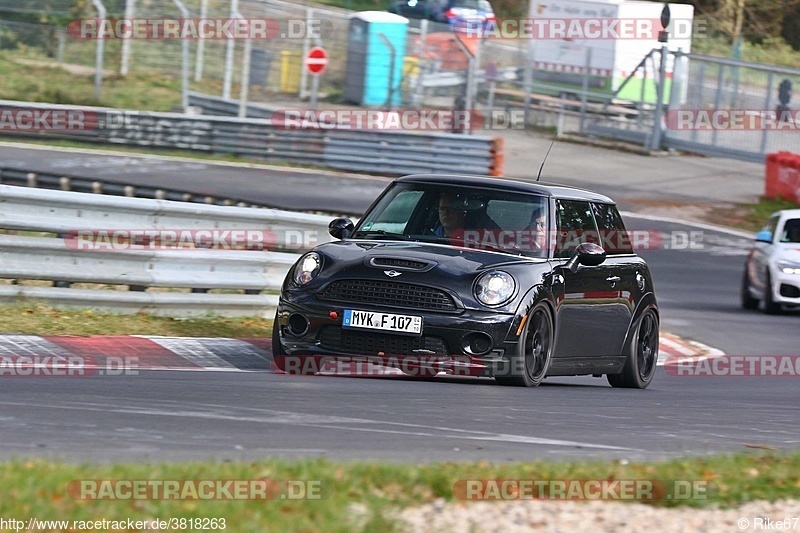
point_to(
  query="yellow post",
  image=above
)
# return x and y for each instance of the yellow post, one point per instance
(291, 63)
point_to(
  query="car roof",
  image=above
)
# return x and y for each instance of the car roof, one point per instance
(541, 188)
(787, 213)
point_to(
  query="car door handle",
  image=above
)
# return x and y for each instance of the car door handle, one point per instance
(612, 279)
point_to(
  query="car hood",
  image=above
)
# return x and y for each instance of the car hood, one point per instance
(787, 251)
(440, 255)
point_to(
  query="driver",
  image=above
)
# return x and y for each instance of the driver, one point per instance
(452, 215)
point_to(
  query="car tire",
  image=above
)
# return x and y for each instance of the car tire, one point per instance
(770, 307)
(534, 350)
(748, 302)
(642, 356)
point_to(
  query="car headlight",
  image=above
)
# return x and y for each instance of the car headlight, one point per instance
(789, 267)
(495, 288)
(307, 268)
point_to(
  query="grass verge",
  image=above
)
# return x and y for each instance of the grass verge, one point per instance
(38, 488)
(40, 319)
(52, 84)
(749, 216)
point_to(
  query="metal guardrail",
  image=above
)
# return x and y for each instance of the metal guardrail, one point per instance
(64, 261)
(29, 209)
(384, 152)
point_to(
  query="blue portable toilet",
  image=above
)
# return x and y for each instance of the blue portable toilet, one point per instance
(376, 48)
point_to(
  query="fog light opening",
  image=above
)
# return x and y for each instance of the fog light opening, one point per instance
(298, 324)
(477, 343)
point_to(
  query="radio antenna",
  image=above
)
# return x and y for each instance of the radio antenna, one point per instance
(545, 157)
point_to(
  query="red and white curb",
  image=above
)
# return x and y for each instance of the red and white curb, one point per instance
(201, 353)
(673, 347)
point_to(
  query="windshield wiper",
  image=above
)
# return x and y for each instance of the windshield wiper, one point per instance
(383, 233)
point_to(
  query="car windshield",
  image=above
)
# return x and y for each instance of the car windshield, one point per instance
(472, 217)
(791, 231)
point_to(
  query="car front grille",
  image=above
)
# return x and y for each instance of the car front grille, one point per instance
(336, 339)
(389, 293)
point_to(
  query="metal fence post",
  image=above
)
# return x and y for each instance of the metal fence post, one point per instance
(184, 60)
(228, 79)
(201, 46)
(584, 93)
(125, 62)
(306, 48)
(62, 42)
(718, 100)
(416, 97)
(658, 128)
(767, 106)
(98, 63)
(245, 90)
(527, 82)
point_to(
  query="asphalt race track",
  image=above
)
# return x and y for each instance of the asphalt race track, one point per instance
(323, 191)
(181, 415)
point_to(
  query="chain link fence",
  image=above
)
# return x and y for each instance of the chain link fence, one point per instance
(582, 87)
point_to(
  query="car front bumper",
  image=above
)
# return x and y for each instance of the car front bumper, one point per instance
(446, 342)
(786, 288)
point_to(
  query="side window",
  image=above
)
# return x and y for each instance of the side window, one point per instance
(575, 226)
(613, 236)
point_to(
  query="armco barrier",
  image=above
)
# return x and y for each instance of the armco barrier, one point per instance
(783, 176)
(385, 152)
(60, 260)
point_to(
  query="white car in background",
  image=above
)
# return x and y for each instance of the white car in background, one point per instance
(772, 271)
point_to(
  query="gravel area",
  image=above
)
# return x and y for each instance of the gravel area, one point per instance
(557, 516)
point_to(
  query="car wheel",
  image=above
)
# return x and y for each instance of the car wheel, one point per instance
(640, 364)
(770, 307)
(748, 302)
(534, 350)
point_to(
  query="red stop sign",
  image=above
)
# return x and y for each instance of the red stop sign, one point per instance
(316, 60)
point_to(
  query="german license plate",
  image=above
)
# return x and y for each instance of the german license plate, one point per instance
(382, 321)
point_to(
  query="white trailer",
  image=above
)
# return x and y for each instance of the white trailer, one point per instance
(611, 37)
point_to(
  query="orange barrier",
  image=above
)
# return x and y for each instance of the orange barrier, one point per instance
(783, 176)
(498, 158)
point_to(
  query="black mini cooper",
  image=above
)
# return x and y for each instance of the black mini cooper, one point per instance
(483, 276)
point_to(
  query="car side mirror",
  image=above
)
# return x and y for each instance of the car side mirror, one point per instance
(341, 228)
(587, 254)
(764, 236)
